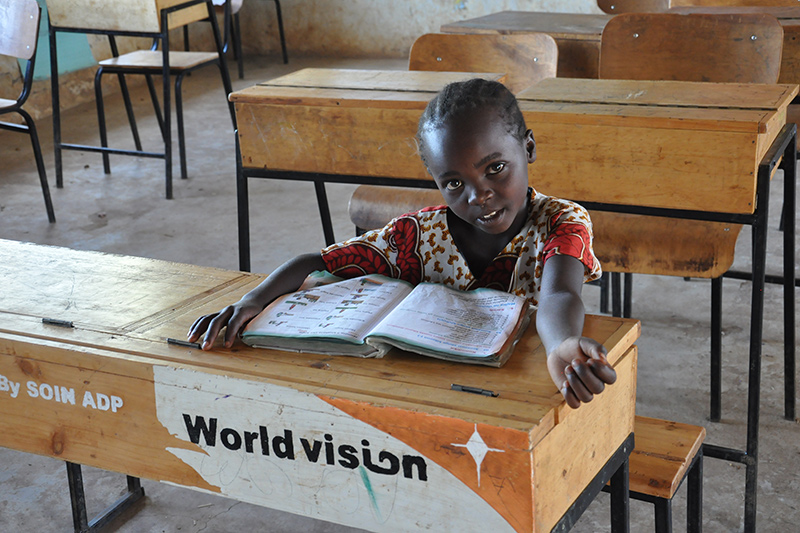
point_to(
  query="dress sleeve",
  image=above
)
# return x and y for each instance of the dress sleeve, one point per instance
(570, 233)
(391, 251)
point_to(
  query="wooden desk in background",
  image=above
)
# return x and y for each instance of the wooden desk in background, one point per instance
(577, 35)
(664, 148)
(380, 444)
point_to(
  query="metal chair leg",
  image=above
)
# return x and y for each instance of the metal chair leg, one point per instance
(181, 134)
(694, 495)
(280, 31)
(101, 117)
(716, 350)
(236, 32)
(37, 154)
(663, 515)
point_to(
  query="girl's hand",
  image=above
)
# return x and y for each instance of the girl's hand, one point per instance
(579, 368)
(233, 318)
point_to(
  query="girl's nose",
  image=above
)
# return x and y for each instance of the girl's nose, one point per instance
(479, 195)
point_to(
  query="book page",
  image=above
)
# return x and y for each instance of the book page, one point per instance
(466, 323)
(345, 310)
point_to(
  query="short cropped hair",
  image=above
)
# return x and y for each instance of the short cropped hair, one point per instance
(462, 97)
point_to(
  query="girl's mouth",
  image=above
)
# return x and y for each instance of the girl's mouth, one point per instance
(489, 217)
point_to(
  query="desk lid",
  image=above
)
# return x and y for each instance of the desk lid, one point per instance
(576, 26)
(319, 85)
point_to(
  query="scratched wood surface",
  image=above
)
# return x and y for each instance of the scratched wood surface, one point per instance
(121, 15)
(127, 389)
(577, 35)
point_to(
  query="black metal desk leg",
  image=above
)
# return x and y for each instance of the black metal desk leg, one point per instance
(324, 212)
(80, 520)
(243, 211)
(620, 501)
(56, 103)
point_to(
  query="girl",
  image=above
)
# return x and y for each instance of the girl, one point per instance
(494, 232)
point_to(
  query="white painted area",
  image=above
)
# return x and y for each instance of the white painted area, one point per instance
(319, 490)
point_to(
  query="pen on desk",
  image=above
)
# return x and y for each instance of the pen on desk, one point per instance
(187, 344)
(58, 322)
(473, 390)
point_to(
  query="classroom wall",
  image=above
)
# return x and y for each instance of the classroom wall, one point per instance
(341, 28)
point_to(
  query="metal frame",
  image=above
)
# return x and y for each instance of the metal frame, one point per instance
(80, 520)
(782, 150)
(163, 38)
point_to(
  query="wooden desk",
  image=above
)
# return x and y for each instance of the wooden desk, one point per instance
(321, 125)
(577, 35)
(380, 444)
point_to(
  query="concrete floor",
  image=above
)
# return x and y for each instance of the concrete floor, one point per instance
(125, 212)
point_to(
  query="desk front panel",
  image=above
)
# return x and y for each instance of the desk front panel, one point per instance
(381, 444)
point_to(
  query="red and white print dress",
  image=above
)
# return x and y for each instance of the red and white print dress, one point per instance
(418, 247)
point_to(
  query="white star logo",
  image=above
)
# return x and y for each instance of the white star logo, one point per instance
(477, 449)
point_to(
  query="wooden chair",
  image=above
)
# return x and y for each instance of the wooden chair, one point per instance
(525, 58)
(19, 32)
(703, 48)
(615, 7)
(664, 454)
(232, 30)
(136, 18)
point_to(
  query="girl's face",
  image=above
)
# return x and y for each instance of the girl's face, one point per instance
(482, 170)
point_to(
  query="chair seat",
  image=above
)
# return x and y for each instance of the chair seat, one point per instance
(152, 59)
(662, 455)
(669, 247)
(7, 103)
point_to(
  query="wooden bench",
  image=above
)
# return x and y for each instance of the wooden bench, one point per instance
(664, 455)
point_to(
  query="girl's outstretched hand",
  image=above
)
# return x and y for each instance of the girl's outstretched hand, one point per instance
(580, 369)
(233, 318)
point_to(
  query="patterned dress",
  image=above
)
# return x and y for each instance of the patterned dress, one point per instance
(418, 247)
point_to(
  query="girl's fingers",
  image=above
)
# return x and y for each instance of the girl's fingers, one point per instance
(603, 371)
(581, 392)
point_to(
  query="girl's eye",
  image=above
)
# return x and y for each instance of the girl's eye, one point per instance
(452, 185)
(496, 168)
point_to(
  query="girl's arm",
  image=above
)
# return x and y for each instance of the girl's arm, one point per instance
(287, 278)
(577, 364)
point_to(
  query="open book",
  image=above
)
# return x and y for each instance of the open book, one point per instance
(367, 316)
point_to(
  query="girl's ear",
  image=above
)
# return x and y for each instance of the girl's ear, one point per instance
(530, 146)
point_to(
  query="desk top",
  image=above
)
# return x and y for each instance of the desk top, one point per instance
(325, 86)
(256, 424)
(674, 104)
(574, 26)
(779, 12)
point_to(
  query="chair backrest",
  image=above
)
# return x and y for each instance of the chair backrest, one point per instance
(19, 28)
(127, 15)
(525, 58)
(741, 48)
(615, 7)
